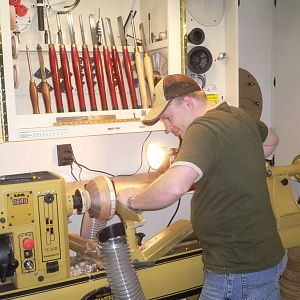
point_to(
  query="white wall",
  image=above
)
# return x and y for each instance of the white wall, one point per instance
(286, 63)
(255, 45)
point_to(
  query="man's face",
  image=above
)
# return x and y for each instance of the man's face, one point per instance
(176, 117)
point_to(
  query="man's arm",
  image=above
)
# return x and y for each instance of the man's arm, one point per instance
(163, 192)
(270, 143)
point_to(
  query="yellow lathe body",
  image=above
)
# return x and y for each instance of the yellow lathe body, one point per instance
(34, 212)
(35, 260)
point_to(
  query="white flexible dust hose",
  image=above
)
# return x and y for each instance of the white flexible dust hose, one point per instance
(116, 257)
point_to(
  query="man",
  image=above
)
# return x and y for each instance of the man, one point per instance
(222, 153)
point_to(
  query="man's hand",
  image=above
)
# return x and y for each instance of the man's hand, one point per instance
(123, 195)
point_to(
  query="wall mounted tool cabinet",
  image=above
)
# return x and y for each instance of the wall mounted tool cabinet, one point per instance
(166, 24)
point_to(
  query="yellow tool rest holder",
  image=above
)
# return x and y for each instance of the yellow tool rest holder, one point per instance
(285, 205)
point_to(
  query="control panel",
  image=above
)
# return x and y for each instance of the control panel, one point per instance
(33, 223)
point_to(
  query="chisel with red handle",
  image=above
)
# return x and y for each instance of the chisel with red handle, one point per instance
(87, 68)
(45, 86)
(64, 61)
(98, 64)
(76, 64)
(117, 65)
(54, 72)
(109, 71)
(127, 65)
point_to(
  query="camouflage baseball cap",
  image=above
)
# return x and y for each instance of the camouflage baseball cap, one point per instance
(168, 88)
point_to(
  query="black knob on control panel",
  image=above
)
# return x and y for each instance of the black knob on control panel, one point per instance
(284, 181)
(13, 264)
(49, 198)
(28, 264)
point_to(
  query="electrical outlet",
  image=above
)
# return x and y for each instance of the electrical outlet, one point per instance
(65, 155)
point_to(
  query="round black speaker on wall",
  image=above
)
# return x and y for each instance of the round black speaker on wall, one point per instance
(196, 36)
(199, 59)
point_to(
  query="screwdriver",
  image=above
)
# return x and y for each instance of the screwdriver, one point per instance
(54, 72)
(45, 86)
(32, 87)
(87, 68)
(76, 64)
(64, 61)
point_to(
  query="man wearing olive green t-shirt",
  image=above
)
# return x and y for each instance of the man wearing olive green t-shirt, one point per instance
(222, 154)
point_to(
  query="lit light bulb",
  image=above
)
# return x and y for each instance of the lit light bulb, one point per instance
(155, 155)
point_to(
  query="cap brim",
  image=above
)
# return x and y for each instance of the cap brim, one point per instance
(154, 114)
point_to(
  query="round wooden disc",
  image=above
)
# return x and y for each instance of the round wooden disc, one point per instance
(250, 97)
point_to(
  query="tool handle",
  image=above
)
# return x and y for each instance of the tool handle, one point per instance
(119, 75)
(78, 79)
(34, 97)
(141, 78)
(67, 77)
(46, 96)
(110, 77)
(100, 76)
(55, 78)
(129, 75)
(40, 14)
(89, 77)
(149, 74)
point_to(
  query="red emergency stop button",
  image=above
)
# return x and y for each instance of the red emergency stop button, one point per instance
(28, 244)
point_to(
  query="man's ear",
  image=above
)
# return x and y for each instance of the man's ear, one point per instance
(189, 102)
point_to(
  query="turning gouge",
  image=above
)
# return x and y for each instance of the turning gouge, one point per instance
(127, 64)
(76, 64)
(117, 65)
(87, 68)
(109, 70)
(54, 72)
(45, 86)
(98, 61)
(140, 70)
(147, 63)
(32, 87)
(64, 61)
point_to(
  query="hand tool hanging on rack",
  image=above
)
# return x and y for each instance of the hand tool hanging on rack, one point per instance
(45, 86)
(127, 64)
(98, 63)
(139, 70)
(117, 65)
(54, 72)
(109, 70)
(131, 14)
(76, 64)
(32, 87)
(147, 63)
(40, 14)
(87, 68)
(64, 61)
(99, 32)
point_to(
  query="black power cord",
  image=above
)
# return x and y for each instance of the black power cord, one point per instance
(176, 210)
(81, 166)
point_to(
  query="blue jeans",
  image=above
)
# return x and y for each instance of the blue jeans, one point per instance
(262, 285)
